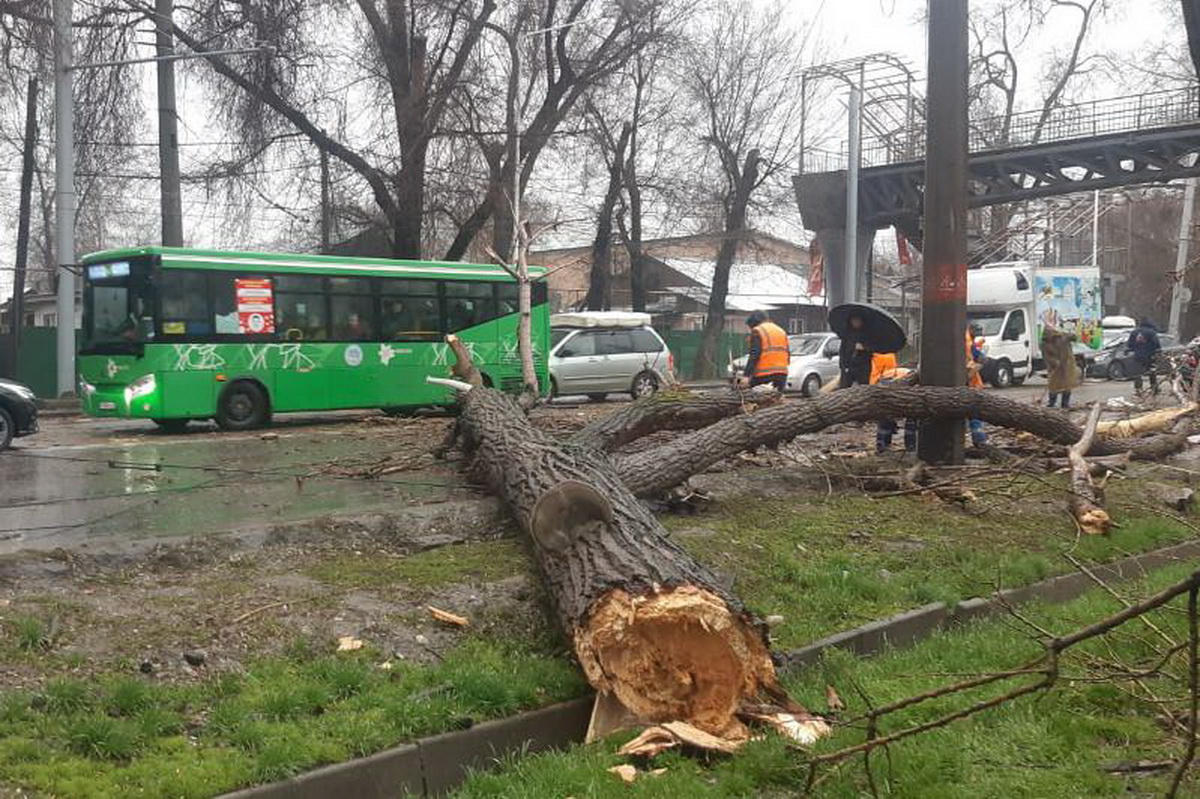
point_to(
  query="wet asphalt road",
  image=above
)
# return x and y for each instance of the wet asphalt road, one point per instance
(94, 485)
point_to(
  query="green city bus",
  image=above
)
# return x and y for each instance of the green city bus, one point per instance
(173, 334)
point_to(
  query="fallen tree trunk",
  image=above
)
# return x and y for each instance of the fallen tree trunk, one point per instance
(649, 625)
(1087, 499)
(653, 471)
(672, 409)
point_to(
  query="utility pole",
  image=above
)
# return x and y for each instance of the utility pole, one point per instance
(168, 126)
(64, 196)
(854, 149)
(1180, 293)
(326, 210)
(23, 214)
(944, 287)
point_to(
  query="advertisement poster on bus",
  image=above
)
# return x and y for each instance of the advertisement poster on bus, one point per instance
(1072, 303)
(255, 305)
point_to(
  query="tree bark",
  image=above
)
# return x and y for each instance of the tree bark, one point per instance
(735, 228)
(670, 410)
(651, 472)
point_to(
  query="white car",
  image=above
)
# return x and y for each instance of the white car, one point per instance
(813, 363)
(607, 352)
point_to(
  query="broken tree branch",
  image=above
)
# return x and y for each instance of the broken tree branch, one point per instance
(655, 470)
(1087, 499)
(671, 410)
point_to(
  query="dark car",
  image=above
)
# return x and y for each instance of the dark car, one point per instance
(1116, 362)
(18, 412)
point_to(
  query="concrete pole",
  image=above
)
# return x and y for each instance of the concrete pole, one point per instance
(1096, 228)
(64, 196)
(168, 128)
(852, 166)
(944, 287)
(1179, 292)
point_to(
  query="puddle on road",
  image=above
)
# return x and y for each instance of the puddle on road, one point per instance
(106, 496)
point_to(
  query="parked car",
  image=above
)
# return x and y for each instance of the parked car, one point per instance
(607, 352)
(18, 412)
(1115, 362)
(814, 362)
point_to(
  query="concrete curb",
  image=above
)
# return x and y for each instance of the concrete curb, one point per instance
(914, 625)
(433, 766)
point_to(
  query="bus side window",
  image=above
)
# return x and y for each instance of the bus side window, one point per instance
(410, 310)
(224, 303)
(185, 303)
(302, 312)
(506, 298)
(468, 304)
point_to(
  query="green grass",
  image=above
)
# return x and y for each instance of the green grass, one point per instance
(479, 562)
(1052, 746)
(828, 565)
(125, 736)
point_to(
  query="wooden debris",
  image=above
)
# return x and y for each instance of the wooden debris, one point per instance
(653, 741)
(696, 738)
(445, 617)
(348, 643)
(833, 701)
(1153, 422)
(626, 772)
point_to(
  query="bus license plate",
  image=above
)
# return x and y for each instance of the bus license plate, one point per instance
(108, 406)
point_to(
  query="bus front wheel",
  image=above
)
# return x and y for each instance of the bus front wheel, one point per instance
(243, 406)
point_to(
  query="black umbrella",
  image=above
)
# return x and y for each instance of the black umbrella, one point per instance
(880, 331)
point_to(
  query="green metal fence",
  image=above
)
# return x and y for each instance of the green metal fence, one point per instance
(685, 344)
(37, 361)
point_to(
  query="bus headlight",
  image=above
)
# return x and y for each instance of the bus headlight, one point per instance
(139, 388)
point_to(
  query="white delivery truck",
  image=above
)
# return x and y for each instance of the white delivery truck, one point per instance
(1014, 301)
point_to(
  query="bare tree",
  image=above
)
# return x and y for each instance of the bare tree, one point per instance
(738, 73)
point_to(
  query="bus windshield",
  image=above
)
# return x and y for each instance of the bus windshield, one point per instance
(117, 307)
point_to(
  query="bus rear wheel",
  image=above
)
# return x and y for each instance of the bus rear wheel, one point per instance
(243, 406)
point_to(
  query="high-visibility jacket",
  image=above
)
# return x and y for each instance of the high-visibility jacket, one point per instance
(773, 350)
(882, 362)
(974, 361)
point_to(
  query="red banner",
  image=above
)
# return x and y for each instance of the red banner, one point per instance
(902, 248)
(255, 305)
(816, 269)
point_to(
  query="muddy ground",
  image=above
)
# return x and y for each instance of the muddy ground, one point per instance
(116, 601)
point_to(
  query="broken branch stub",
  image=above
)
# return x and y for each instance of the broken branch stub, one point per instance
(649, 625)
(1087, 499)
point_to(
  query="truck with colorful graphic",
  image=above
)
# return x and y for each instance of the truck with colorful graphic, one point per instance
(1013, 302)
(173, 334)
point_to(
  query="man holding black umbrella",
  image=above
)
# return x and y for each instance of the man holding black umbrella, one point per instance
(854, 357)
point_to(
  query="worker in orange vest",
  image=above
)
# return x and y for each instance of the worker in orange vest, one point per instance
(769, 355)
(884, 369)
(975, 357)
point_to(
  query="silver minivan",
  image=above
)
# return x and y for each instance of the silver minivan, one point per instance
(601, 353)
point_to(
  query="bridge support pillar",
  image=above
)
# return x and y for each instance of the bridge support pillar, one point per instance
(821, 197)
(844, 283)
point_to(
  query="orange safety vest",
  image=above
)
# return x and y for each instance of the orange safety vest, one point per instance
(974, 379)
(774, 353)
(881, 363)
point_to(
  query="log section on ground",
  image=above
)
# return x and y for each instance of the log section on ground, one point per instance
(653, 471)
(649, 624)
